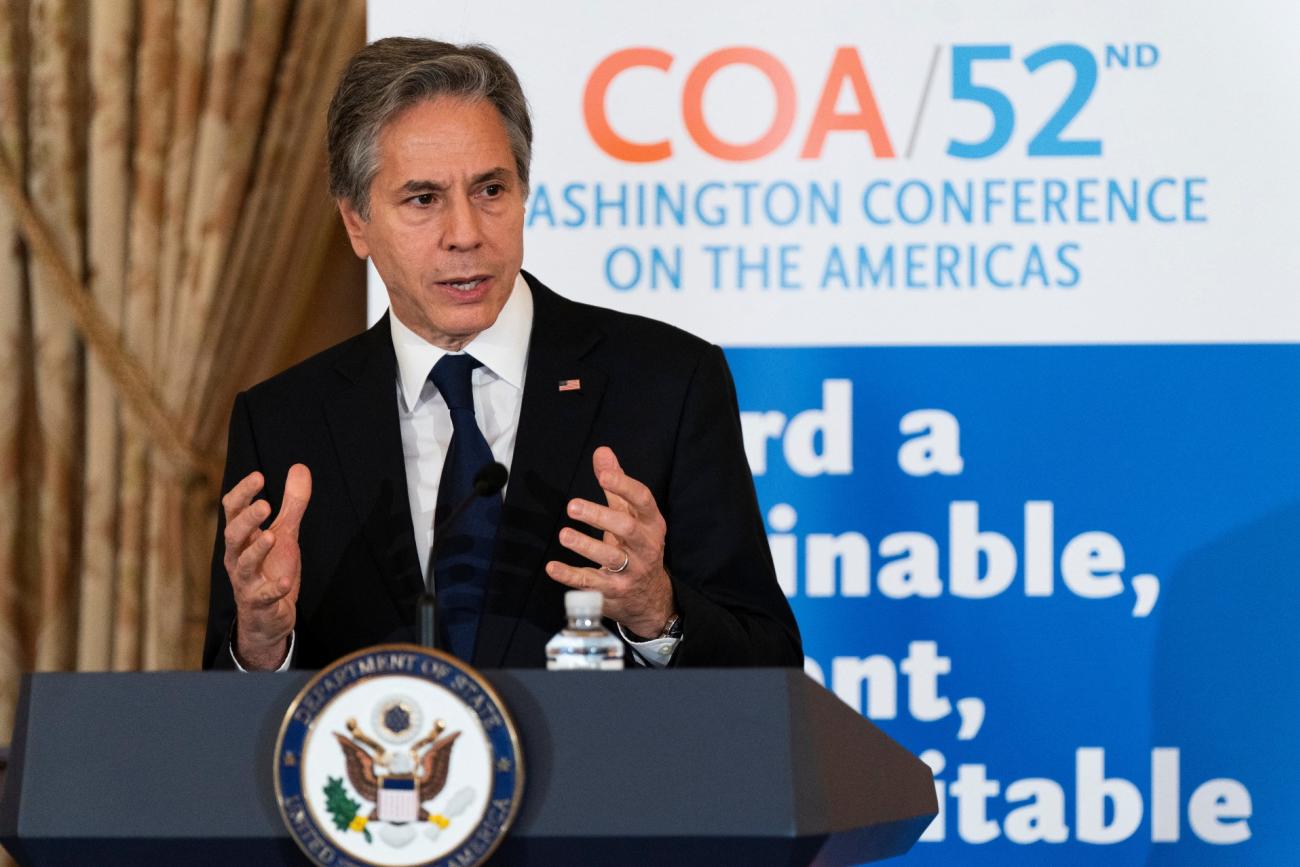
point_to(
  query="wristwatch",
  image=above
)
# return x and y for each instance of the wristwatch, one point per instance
(672, 629)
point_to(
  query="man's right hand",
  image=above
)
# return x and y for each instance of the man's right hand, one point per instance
(265, 567)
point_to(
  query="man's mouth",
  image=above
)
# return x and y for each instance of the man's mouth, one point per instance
(464, 284)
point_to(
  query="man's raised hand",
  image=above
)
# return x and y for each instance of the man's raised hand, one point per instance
(636, 587)
(265, 566)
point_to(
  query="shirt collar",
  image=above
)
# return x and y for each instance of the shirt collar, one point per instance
(502, 347)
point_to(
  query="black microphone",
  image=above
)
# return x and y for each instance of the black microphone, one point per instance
(488, 481)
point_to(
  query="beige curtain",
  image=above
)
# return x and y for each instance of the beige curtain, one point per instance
(165, 241)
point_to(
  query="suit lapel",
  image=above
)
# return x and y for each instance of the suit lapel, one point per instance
(362, 418)
(549, 446)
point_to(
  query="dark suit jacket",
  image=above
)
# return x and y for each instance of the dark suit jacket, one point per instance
(661, 398)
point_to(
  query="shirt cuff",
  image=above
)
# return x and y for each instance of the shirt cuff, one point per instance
(284, 666)
(656, 653)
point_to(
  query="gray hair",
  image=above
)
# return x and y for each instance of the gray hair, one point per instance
(390, 75)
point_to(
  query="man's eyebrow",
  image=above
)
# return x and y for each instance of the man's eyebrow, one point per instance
(418, 186)
(500, 173)
(422, 186)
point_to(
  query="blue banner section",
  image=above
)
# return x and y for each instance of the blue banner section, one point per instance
(1065, 576)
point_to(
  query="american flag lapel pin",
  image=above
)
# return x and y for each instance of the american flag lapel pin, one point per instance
(570, 385)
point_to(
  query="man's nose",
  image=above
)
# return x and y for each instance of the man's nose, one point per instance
(462, 230)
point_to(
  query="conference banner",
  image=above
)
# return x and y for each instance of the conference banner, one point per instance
(1008, 292)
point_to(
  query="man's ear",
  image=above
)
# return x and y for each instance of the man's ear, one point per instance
(356, 228)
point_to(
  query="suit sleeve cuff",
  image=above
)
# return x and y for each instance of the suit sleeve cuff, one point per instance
(656, 653)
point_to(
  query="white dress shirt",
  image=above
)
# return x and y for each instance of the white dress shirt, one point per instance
(425, 421)
(426, 428)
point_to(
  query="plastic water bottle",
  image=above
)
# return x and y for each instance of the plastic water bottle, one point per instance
(585, 643)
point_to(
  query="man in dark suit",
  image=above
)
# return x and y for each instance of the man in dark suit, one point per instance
(625, 427)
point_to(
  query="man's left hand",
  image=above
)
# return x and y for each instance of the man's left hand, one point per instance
(639, 595)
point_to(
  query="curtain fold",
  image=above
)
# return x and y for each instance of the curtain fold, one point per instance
(154, 75)
(162, 597)
(16, 488)
(107, 197)
(164, 234)
(53, 182)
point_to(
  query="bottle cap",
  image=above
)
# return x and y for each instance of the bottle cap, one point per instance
(583, 603)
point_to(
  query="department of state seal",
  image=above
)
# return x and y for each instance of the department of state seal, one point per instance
(398, 755)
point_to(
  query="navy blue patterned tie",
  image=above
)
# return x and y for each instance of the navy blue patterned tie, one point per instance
(463, 548)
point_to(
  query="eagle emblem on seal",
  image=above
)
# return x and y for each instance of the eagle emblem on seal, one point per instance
(395, 781)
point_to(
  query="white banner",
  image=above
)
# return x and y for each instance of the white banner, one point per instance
(853, 173)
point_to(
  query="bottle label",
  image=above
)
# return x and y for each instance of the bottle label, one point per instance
(577, 662)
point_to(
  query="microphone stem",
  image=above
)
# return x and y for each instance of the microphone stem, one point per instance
(428, 620)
